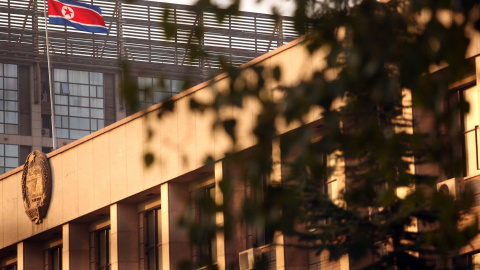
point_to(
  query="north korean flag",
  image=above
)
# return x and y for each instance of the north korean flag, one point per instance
(79, 15)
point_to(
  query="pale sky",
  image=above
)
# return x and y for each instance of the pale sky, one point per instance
(285, 7)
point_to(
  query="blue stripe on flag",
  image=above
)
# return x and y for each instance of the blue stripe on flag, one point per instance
(88, 28)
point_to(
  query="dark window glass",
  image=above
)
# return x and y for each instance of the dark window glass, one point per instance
(103, 248)
(154, 239)
(8, 99)
(10, 267)
(9, 157)
(259, 233)
(79, 103)
(205, 252)
(54, 256)
(153, 90)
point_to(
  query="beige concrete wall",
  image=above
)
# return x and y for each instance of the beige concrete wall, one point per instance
(107, 166)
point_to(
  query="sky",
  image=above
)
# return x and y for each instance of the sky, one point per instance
(285, 7)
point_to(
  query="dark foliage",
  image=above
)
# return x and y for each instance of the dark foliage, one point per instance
(381, 54)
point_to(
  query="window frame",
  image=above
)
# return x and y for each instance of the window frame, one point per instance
(50, 257)
(63, 91)
(97, 251)
(157, 246)
(260, 234)
(4, 167)
(149, 87)
(4, 100)
(9, 263)
(207, 251)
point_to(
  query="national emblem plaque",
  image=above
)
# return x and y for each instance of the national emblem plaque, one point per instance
(36, 186)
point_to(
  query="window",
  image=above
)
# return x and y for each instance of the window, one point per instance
(9, 263)
(153, 242)
(8, 99)
(9, 267)
(102, 247)
(331, 190)
(53, 258)
(467, 261)
(153, 91)
(470, 128)
(79, 103)
(205, 250)
(9, 156)
(260, 231)
(259, 234)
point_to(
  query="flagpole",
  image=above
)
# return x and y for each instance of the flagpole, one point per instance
(54, 141)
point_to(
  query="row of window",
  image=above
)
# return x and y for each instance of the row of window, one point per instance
(9, 267)
(150, 229)
(9, 157)
(8, 99)
(151, 240)
(153, 90)
(100, 247)
(79, 98)
(79, 103)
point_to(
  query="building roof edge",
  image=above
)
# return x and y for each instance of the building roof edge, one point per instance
(182, 94)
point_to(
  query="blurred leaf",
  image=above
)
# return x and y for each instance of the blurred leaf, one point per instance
(148, 158)
(229, 126)
(167, 25)
(372, 52)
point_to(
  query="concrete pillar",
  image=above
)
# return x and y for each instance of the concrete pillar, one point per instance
(175, 241)
(124, 237)
(341, 184)
(276, 177)
(29, 256)
(75, 249)
(233, 204)
(221, 259)
(119, 104)
(288, 256)
(345, 262)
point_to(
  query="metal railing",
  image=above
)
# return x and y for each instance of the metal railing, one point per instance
(135, 34)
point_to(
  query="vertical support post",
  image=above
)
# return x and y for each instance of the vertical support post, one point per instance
(121, 44)
(219, 219)
(52, 108)
(476, 146)
(276, 177)
(176, 36)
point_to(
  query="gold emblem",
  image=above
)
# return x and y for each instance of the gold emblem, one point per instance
(36, 186)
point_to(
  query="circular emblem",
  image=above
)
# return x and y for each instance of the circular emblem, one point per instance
(36, 186)
(67, 12)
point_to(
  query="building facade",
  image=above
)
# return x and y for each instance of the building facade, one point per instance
(86, 73)
(108, 211)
